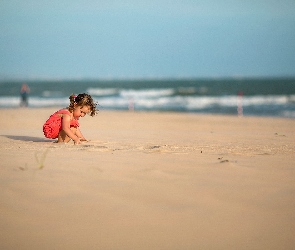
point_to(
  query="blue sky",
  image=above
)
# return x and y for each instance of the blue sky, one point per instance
(146, 39)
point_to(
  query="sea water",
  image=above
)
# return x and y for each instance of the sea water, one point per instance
(255, 97)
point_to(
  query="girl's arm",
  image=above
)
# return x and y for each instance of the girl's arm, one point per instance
(66, 128)
(79, 134)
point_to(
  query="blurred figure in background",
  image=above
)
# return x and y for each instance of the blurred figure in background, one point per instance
(24, 93)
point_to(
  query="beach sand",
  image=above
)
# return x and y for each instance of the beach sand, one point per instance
(148, 181)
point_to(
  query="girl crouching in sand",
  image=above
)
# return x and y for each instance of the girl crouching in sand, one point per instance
(64, 124)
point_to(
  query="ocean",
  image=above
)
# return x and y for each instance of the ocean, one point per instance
(273, 97)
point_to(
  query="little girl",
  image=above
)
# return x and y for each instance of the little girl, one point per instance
(64, 124)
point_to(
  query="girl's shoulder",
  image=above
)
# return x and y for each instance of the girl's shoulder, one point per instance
(63, 112)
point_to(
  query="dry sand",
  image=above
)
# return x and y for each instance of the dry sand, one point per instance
(148, 181)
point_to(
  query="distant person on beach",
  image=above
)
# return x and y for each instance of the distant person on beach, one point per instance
(24, 92)
(64, 124)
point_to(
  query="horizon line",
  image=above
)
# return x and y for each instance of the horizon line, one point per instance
(151, 78)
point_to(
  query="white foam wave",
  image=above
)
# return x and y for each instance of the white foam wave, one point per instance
(265, 100)
(102, 91)
(148, 93)
(113, 103)
(142, 100)
(9, 101)
(48, 102)
(289, 114)
(48, 93)
(131, 93)
(35, 102)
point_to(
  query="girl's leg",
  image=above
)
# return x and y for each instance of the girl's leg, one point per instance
(63, 137)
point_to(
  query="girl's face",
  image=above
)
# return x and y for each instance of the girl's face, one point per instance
(81, 111)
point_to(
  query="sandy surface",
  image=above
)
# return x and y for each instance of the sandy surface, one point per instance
(148, 181)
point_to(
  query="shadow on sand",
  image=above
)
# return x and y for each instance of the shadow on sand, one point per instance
(27, 138)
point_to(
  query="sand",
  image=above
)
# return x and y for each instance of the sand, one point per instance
(148, 181)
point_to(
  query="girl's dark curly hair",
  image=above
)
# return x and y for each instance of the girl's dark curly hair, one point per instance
(83, 100)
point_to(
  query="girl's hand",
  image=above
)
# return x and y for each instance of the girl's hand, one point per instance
(83, 139)
(77, 141)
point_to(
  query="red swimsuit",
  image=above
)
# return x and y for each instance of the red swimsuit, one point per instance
(53, 126)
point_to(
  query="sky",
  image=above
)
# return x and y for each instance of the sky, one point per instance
(146, 39)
